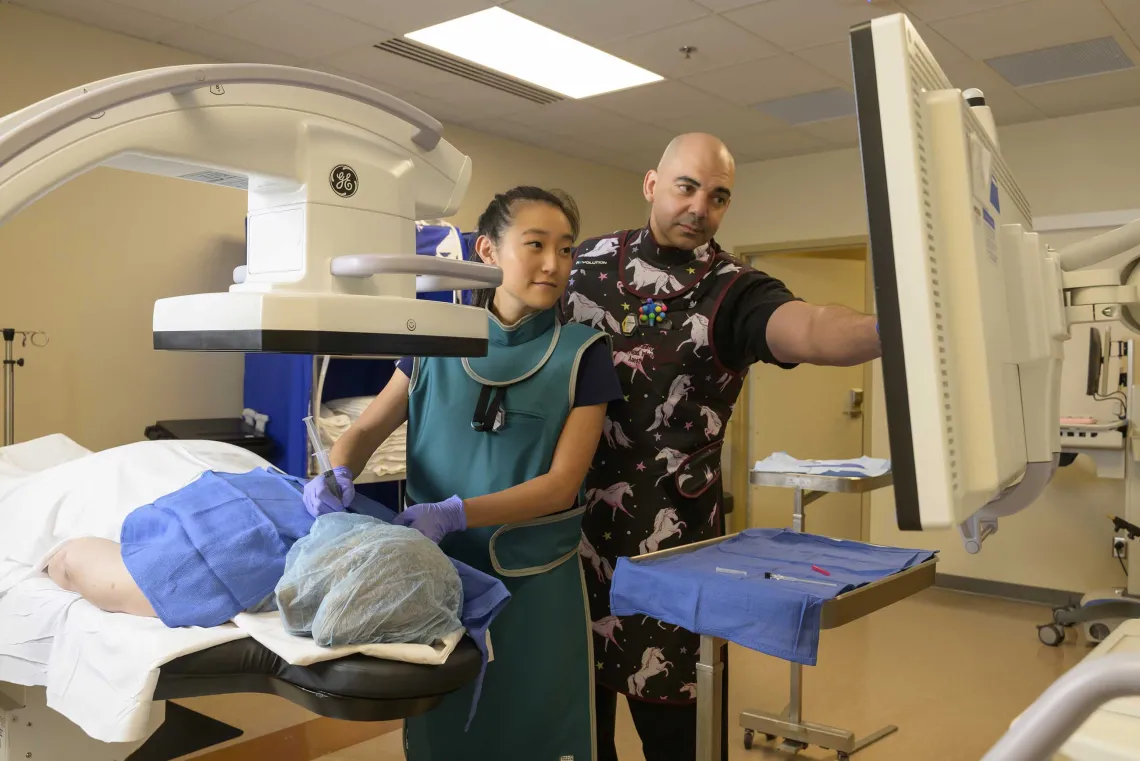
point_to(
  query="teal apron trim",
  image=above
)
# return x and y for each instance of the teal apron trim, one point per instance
(533, 546)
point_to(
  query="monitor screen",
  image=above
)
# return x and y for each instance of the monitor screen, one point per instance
(969, 301)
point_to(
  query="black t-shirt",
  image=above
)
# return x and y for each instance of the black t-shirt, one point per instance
(741, 328)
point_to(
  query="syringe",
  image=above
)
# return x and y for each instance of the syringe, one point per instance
(322, 456)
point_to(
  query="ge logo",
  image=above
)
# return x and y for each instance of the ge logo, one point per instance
(411, 325)
(343, 180)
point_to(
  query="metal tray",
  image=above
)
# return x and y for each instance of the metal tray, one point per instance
(834, 484)
(849, 606)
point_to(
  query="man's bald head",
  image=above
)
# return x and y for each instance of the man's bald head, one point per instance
(690, 190)
(698, 146)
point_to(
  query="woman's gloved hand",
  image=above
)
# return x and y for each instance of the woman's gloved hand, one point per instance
(319, 498)
(435, 520)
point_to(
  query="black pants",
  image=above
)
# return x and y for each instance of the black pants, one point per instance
(668, 731)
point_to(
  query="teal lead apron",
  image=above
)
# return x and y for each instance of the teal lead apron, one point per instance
(478, 426)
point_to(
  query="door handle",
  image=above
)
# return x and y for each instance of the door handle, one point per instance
(854, 406)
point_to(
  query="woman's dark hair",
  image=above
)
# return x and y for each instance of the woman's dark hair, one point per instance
(499, 215)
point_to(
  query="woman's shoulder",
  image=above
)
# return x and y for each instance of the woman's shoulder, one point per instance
(577, 336)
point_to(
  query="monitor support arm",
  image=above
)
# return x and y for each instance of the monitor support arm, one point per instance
(1103, 295)
(1090, 296)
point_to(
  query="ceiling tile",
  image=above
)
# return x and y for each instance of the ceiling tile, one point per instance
(1127, 14)
(590, 124)
(1031, 25)
(295, 28)
(1076, 96)
(1007, 105)
(735, 120)
(401, 17)
(934, 10)
(106, 15)
(727, 5)
(776, 144)
(718, 43)
(477, 101)
(383, 86)
(841, 133)
(188, 12)
(658, 101)
(513, 131)
(598, 21)
(440, 109)
(223, 48)
(606, 157)
(766, 79)
(382, 66)
(798, 24)
(833, 60)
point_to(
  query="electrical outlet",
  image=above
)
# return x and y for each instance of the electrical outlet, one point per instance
(1119, 547)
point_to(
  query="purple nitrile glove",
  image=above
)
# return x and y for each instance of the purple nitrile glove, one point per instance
(319, 498)
(435, 520)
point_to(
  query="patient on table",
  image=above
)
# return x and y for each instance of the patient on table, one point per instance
(194, 533)
(94, 569)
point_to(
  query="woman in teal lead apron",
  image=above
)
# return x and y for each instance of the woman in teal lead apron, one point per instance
(497, 449)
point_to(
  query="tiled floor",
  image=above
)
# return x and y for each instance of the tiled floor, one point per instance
(950, 670)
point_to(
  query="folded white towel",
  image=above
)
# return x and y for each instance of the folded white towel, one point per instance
(782, 462)
(267, 629)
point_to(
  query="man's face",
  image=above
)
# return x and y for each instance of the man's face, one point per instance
(690, 195)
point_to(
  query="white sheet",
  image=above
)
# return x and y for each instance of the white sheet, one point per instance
(266, 628)
(100, 669)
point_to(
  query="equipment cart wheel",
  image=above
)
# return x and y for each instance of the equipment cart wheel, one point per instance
(841, 756)
(749, 736)
(1051, 635)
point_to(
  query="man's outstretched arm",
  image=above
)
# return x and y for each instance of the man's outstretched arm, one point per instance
(804, 333)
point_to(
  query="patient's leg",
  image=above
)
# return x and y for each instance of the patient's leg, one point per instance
(94, 568)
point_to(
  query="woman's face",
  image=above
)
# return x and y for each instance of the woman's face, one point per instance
(535, 253)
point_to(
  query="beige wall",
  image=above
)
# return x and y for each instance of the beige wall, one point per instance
(1077, 164)
(87, 262)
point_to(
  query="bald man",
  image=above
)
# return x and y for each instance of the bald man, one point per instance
(655, 482)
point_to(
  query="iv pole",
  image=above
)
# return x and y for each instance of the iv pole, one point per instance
(10, 376)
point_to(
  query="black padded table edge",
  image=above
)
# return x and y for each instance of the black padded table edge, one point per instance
(355, 688)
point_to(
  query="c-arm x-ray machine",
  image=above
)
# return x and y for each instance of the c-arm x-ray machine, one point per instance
(336, 172)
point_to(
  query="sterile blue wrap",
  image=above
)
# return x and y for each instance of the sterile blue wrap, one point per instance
(779, 618)
(216, 547)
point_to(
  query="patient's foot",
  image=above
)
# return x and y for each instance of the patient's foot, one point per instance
(94, 569)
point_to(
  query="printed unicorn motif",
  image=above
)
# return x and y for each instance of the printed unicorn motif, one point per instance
(665, 525)
(615, 436)
(645, 275)
(712, 422)
(604, 628)
(678, 390)
(600, 565)
(673, 460)
(612, 496)
(700, 334)
(652, 663)
(589, 313)
(635, 359)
